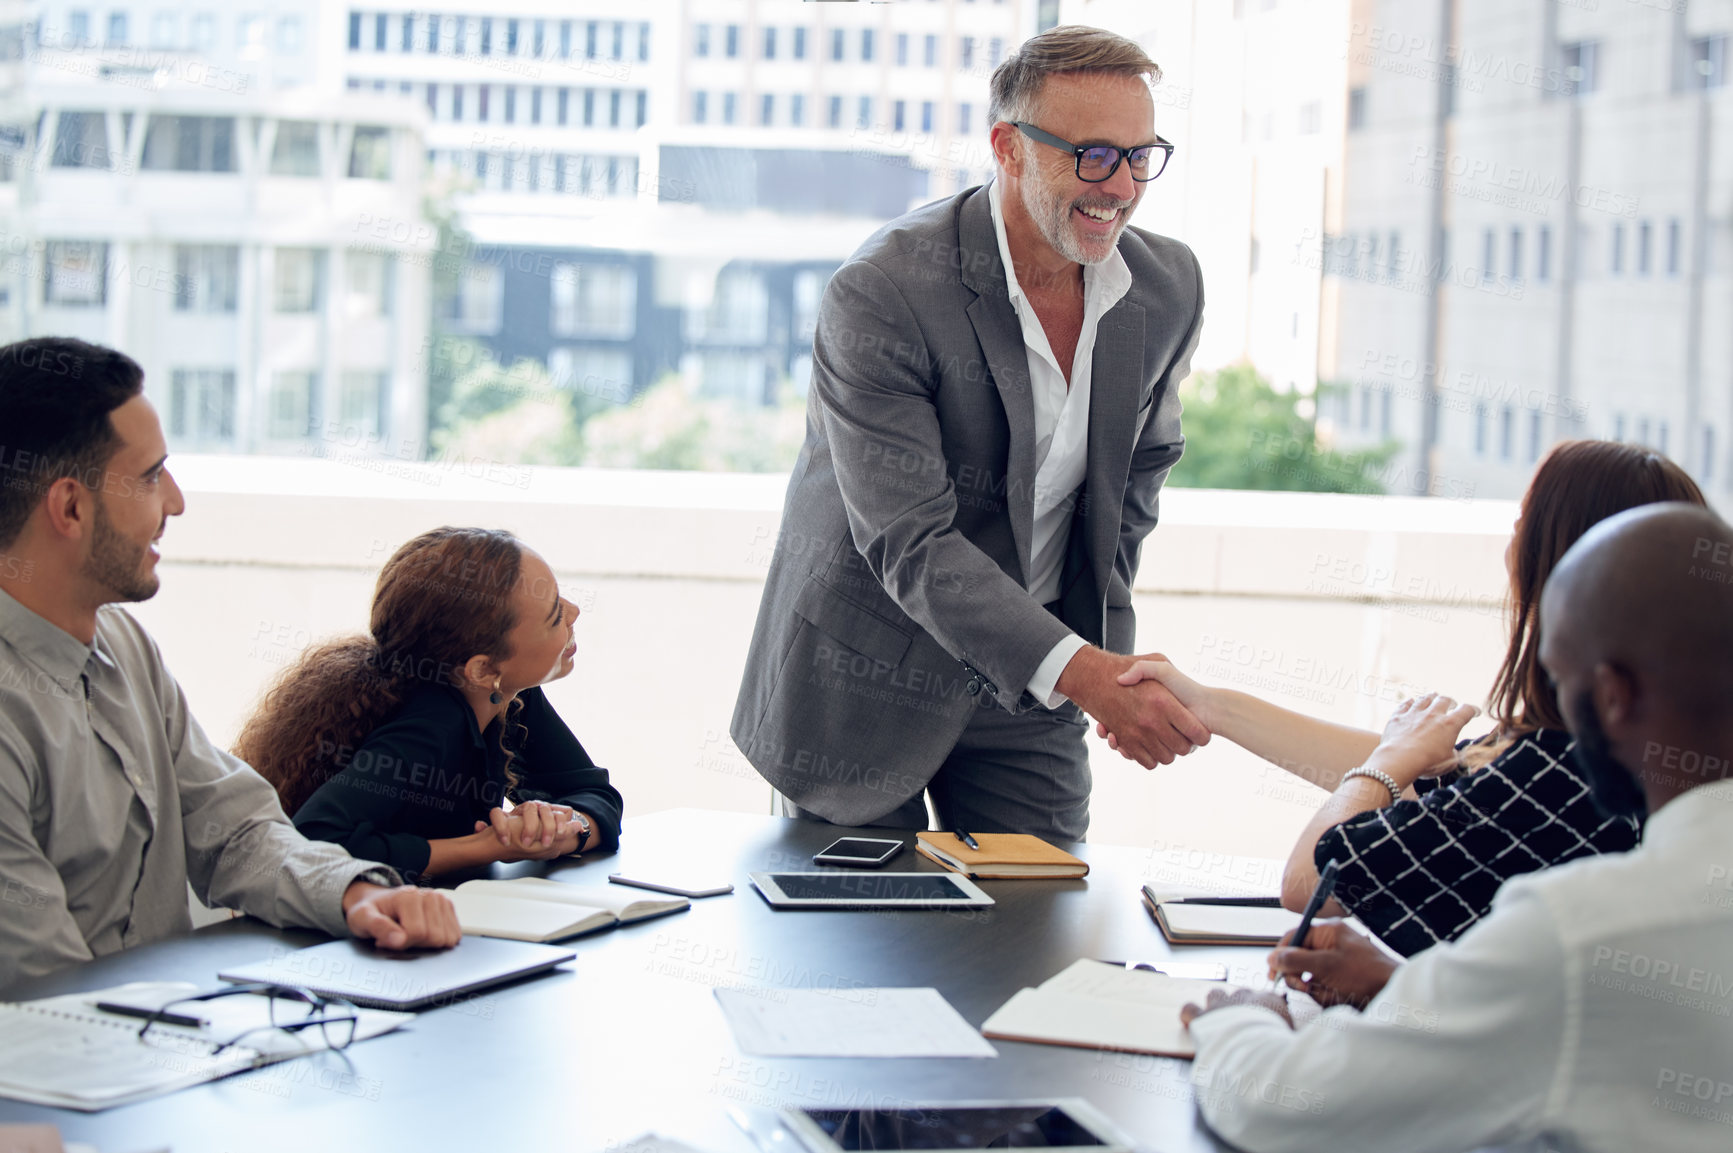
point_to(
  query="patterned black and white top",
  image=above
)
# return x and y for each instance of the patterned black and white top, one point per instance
(1424, 871)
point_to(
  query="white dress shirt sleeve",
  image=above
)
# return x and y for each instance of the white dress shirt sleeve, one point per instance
(1461, 1049)
(1046, 677)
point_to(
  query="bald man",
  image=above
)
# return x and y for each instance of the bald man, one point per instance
(1593, 1008)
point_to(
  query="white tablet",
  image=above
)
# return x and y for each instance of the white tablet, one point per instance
(1061, 1125)
(859, 890)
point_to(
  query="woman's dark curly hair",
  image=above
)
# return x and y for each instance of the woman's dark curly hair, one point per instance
(443, 598)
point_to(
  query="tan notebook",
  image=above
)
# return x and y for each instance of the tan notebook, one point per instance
(538, 909)
(1183, 923)
(1001, 855)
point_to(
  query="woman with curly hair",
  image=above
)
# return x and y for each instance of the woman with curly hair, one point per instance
(407, 746)
(1424, 833)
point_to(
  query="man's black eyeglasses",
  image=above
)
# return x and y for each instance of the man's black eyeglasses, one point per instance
(291, 1010)
(1096, 162)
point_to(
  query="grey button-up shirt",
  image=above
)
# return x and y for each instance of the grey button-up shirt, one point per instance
(112, 799)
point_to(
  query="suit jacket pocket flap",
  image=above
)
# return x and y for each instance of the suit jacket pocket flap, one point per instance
(854, 625)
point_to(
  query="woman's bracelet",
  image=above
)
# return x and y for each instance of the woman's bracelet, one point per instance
(1379, 775)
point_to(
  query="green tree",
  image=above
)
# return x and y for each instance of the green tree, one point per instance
(1241, 433)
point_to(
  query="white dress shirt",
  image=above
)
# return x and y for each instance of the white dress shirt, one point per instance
(1061, 432)
(1592, 1010)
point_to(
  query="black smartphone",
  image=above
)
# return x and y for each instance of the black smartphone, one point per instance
(858, 852)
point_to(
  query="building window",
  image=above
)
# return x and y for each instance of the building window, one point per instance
(117, 30)
(164, 29)
(864, 112)
(738, 312)
(614, 108)
(370, 153)
(1708, 63)
(701, 40)
(797, 110)
(1506, 432)
(1645, 244)
(566, 39)
(995, 51)
(642, 103)
(511, 38)
(866, 45)
(617, 43)
(478, 304)
(1661, 437)
(204, 31)
(202, 405)
(290, 405)
(1619, 426)
(1580, 61)
(1534, 428)
(963, 118)
(78, 27)
(75, 273)
(1543, 253)
(836, 43)
(1393, 258)
(643, 42)
(1675, 237)
(367, 283)
(562, 105)
(295, 152)
(1480, 429)
(483, 93)
(589, 107)
(1384, 413)
(1489, 257)
(1617, 262)
(700, 107)
(299, 272)
(535, 105)
(930, 51)
(511, 104)
(799, 52)
(361, 400)
(767, 109)
(1311, 120)
(457, 102)
(206, 277)
(731, 41)
(902, 49)
(599, 300)
(487, 35)
(966, 53)
(593, 370)
(80, 140)
(898, 110)
(1516, 253)
(836, 112)
(590, 33)
(770, 43)
(927, 115)
(1643, 430)
(1706, 468)
(730, 103)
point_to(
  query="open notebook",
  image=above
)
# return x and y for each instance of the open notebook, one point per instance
(63, 1051)
(537, 909)
(1094, 1005)
(1183, 923)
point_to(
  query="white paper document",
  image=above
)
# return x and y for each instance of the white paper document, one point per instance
(849, 1023)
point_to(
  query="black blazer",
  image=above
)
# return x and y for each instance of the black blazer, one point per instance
(429, 772)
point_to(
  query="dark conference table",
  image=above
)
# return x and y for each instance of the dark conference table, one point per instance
(629, 1037)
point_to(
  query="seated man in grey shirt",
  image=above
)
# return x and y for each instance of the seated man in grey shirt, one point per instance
(111, 796)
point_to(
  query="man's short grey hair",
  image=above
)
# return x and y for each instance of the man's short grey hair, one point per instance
(1016, 84)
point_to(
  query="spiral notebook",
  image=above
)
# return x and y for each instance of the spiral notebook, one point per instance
(64, 1052)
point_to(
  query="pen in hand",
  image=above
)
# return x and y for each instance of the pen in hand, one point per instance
(1326, 887)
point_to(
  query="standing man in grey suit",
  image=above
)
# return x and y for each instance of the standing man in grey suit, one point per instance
(994, 407)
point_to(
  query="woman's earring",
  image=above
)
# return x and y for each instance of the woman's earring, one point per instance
(494, 697)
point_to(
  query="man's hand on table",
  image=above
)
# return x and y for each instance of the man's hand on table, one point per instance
(401, 918)
(1147, 722)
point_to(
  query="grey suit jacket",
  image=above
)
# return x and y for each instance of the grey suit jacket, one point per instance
(899, 577)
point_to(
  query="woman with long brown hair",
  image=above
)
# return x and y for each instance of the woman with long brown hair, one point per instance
(1425, 831)
(408, 745)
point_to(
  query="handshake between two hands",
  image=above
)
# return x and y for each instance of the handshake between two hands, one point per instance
(1148, 710)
